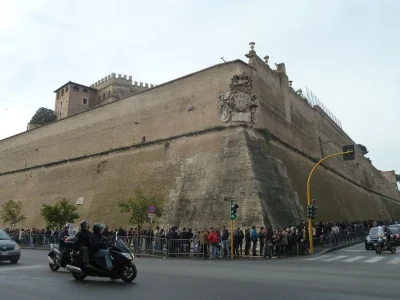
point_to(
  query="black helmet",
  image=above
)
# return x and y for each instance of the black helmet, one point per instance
(67, 225)
(83, 224)
(98, 227)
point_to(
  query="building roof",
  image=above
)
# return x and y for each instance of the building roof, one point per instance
(78, 84)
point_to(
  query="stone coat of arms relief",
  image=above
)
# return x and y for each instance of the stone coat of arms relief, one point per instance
(239, 104)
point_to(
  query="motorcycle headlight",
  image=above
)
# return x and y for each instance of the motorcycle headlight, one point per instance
(380, 240)
(127, 255)
(16, 247)
(368, 238)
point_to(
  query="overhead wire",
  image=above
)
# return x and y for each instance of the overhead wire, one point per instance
(8, 100)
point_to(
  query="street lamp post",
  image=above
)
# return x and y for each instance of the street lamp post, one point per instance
(310, 235)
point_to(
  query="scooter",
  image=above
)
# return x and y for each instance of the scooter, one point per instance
(122, 260)
(57, 258)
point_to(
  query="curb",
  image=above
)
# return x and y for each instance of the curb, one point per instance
(336, 248)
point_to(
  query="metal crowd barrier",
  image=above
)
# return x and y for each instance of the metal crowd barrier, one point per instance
(155, 246)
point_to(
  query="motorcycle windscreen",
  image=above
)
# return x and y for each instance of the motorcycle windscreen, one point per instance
(71, 231)
(123, 246)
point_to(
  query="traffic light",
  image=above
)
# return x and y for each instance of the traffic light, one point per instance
(309, 211)
(351, 155)
(314, 211)
(234, 207)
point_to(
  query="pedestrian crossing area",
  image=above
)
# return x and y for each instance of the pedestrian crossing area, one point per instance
(386, 259)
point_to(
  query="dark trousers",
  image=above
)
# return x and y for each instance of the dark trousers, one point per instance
(85, 254)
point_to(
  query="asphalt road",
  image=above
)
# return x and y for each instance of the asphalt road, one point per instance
(175, 279)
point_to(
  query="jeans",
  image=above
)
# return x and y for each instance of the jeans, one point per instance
(225, 245)
(106, 255)
(213, 250)
(255, 247)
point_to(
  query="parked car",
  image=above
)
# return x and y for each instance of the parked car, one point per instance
(371, 238)
(9, 249)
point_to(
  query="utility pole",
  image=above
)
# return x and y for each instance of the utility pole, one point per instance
(348, 154)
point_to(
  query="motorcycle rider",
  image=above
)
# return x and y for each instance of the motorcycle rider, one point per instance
(62, 236)
(82, 242)
(98, 243)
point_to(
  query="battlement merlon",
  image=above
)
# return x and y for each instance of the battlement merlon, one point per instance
(114, 78)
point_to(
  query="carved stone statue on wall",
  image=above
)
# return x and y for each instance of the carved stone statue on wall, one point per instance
(239, 104)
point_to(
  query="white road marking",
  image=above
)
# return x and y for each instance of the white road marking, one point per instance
(335, 258)
(375, 259)
(21, 268)
(318, 257)
(394, 261)
(354, 258)
(354, 250)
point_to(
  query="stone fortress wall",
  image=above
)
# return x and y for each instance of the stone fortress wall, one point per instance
(176, 141)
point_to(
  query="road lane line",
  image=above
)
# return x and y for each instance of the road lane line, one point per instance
(21, 268)
(353, 250)
(354, 258)
(318, 257)
(394, 261)
(375, 259)
(335, 258)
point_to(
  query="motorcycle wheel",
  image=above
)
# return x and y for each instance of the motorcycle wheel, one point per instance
(53, 267)
(128, 273)
(393, 249)
(378, 249)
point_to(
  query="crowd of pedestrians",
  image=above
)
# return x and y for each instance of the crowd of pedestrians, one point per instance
(216, 242)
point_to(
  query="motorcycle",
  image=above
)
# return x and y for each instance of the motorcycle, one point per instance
(122, 260)
(383, 245)
(62, 258)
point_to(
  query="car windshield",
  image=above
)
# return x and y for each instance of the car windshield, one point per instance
(3, 235)
(373, 231)
(394, 229)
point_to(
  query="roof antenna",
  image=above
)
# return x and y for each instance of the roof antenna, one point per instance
(223, 59)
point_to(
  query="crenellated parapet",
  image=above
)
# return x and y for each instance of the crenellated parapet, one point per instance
(124, 80)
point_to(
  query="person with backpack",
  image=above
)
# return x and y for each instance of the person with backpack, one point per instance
(213, 240)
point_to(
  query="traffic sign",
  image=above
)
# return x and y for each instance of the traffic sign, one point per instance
(151, 209)
(151, 217)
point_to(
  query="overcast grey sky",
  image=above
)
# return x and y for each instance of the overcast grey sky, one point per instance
(346, 52)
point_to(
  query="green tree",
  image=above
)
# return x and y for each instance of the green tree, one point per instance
(398, 177)
(137, 207)
(11, 213)
(43, 116)
(58, 215)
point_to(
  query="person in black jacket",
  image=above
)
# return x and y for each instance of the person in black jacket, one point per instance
(82, 242)
(98, 243)
(62, 235)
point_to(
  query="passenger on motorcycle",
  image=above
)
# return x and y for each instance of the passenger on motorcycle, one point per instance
(82, 242)
(387, 234)
(62, 235)
(98, 243)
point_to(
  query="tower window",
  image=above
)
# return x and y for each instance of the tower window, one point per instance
(58, 95)
(60, 115)
(85, 90)
(109, 93)
(84, 100)
(104, 96)
(61, 103)
(75, 88)
(66, 88)
(99, 98)
(62, 93)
